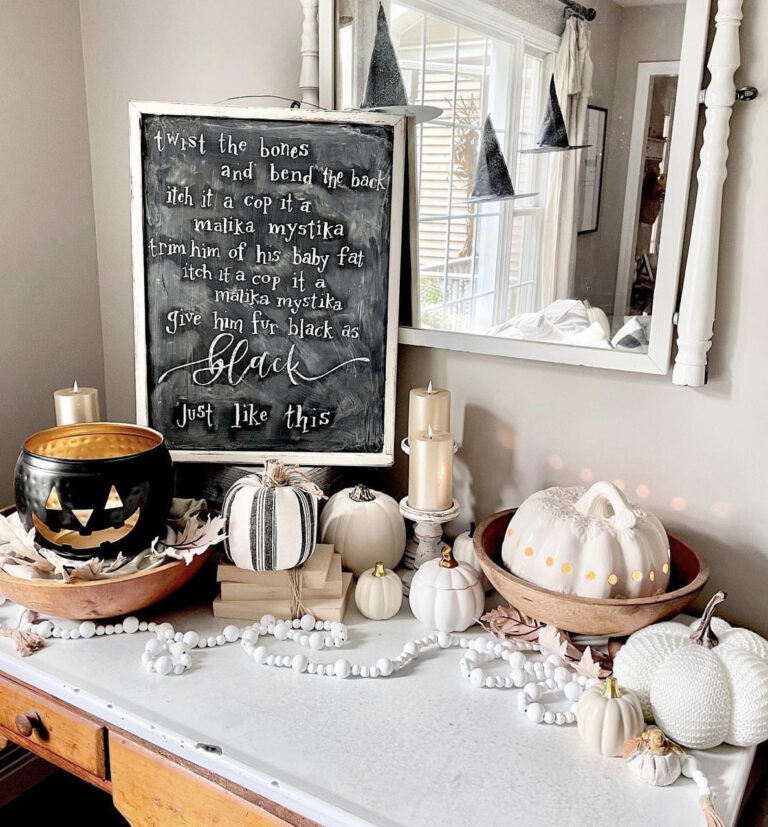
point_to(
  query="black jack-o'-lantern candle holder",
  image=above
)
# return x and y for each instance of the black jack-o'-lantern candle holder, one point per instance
(94, 489)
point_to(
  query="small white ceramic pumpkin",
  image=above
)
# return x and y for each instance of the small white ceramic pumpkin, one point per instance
(703, 684)
(365, 526)
(446, 595)
(379, 593)
(464, 551)
(589, 543)
(608, 717)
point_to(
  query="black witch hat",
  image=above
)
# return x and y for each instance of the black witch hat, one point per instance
(384, 89)
(553, 136)
(492, 181)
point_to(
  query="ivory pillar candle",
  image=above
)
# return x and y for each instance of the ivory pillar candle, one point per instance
(429, 406)
(74, 405)
(430, 470)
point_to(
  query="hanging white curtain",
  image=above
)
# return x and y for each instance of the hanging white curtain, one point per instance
(573, 82)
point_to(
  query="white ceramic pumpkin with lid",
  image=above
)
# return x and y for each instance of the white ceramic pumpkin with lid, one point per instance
(446, 595)
(591, 543)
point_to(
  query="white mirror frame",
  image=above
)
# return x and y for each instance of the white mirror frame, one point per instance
(695, 318)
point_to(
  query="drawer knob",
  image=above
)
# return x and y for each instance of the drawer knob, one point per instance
(27, 724)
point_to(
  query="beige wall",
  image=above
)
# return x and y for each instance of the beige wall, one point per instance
(708, 446)
(198, 51)
(50, 330)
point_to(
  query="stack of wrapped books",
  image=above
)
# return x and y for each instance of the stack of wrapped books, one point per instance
(324, 589)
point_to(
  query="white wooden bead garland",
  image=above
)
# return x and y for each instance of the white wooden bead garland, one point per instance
(169, 653)
(535, 678)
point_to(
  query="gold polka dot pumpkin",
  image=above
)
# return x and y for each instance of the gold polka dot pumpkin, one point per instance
(591, 543)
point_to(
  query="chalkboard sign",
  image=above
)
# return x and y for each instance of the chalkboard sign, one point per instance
(266, 248)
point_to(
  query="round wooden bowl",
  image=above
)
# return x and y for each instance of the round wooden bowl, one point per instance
(585, 615)
(96, 599)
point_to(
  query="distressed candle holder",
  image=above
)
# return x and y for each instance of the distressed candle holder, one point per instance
(428, 532)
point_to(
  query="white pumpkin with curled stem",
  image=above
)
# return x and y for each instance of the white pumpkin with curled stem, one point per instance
(669, 664)
(379, 593)
(365, 526)
(608, 717)
(591, 543)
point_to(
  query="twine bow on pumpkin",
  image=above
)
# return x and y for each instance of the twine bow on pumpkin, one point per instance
(277, 475)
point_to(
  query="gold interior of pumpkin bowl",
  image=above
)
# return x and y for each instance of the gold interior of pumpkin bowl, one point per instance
(93, 440)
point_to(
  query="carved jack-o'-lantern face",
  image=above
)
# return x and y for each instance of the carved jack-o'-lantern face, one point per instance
(94, 490)
(87, 528)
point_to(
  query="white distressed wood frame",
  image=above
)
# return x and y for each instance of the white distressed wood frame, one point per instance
(634, 187)
(697, 305)
(398, 123)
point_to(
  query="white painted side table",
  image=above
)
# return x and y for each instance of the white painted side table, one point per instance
(415, 750)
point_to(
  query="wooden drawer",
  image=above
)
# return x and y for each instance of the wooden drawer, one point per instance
(52, 730)
(151, 788)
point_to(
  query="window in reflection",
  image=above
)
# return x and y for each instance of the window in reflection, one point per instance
(578, 262)
(477, 263)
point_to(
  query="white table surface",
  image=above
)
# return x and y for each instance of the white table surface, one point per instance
(423, 747)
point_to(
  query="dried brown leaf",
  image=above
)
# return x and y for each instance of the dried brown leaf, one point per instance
(195, 538)
(553, 641)
(509, 623)
(587, 666)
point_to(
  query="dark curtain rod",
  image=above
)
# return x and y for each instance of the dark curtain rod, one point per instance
(578, 10)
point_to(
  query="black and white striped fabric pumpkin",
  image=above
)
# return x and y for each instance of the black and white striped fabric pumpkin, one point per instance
(269, 527)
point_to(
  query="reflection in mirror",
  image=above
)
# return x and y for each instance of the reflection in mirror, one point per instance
(576, 263)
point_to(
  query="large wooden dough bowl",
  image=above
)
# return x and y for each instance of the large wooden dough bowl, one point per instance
(96, 599)
(583, 615)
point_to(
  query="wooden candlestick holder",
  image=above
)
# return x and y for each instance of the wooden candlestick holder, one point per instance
(428, 532)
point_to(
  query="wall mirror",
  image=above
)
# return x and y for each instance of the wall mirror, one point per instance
(585, 269)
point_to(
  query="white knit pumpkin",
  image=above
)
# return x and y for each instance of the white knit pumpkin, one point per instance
(379, 593)
(365, 526)
(607, 717)
(703, 684)
(464, 551)
(446, 595)
(589, 543)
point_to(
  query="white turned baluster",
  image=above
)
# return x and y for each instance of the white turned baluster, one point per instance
(697, 305)
(309, 79)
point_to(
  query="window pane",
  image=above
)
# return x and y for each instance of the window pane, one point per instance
(433, 240)
(523, 264)
(530, 106)
(473, 270)
(435, 170)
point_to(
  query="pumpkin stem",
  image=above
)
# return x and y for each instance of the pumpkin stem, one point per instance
(361, 494)
(611, 688)
(703, 634)
(448, 561)
(379, 570)
(472, 527)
